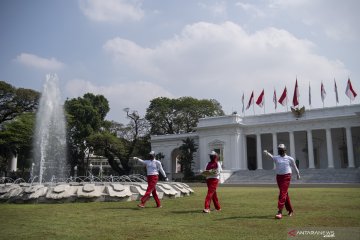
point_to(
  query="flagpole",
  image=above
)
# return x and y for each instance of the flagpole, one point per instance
(275, 99)
(264, 104)
(309, 96)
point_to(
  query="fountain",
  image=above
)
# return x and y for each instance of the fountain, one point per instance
(49, 181)
(50, 134)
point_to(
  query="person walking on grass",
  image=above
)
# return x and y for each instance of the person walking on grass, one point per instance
(212, 173)
(153, 167)
(283, 164)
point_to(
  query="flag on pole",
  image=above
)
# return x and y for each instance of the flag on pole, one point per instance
(251, 100)
(323, 92)
(242, 100)
(350, 92)
(275, 99)
(260, 101)
(296, 95)
(283, 98)
(336, 92)
(309, 95)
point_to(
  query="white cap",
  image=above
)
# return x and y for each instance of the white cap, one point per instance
(213, 153)
(152, 153)
(282, 146)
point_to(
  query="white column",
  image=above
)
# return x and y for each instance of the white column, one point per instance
(329, 148)
(13, 163)
(235, 164)
(204, 151)
(310, 149)
(258, 151)
(244, 153)
(275, 145)
(292, 145)
(350, 150)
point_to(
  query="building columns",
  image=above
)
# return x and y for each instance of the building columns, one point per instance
(258, 152)
(237, 145)
(310, 149)
(13, 163)
(244, 153)
(350, 150)
(275, 145)
(292, 145)
(329, 148)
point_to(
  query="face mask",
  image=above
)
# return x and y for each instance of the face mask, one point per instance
(281, 152)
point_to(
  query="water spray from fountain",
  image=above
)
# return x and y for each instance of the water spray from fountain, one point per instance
(50, 135)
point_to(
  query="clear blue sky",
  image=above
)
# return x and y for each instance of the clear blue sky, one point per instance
(134, 51)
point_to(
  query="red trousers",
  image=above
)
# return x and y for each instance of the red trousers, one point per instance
(152, 180)
(212, 184)
(283, 182)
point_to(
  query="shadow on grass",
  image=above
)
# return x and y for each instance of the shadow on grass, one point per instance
(187, 211)
(247, 217)
(124, 208)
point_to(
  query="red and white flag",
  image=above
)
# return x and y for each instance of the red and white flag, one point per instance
(296, 95)
(336, 92)
(283, 98)
(251, 100)
(350, 92)
(275, 99)
(323, 92)
(261, 99)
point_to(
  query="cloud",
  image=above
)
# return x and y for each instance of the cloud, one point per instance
(337, 20)
(34, 61)
(136, 95)
(117, 11)
(251, 9)
(132, 54)
(217, 9)
(222, 61)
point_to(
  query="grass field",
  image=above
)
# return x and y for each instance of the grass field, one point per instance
(248, 213)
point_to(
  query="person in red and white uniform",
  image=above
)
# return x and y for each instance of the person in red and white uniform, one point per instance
(283, 165)
(153, 167)
(212, 173)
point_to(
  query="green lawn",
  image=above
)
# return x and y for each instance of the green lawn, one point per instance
(248, 213)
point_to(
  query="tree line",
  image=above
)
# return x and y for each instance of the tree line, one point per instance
(88, 130)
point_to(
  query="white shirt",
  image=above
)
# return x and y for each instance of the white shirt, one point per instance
(153, 167)
(284, 164)
(217, 172)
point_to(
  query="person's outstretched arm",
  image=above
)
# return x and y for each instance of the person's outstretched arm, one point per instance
(268, 154)
(139, 160)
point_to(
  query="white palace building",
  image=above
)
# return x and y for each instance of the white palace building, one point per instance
(325, 143)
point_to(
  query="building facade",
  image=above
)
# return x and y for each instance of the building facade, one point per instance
(326, 138)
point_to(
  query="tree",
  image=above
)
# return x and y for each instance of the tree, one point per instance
(169, 116)
(16, 139)
(108, 145)
(15, 101)
(188, 148)
(138, 128)
(85, 117)
(135, 135)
